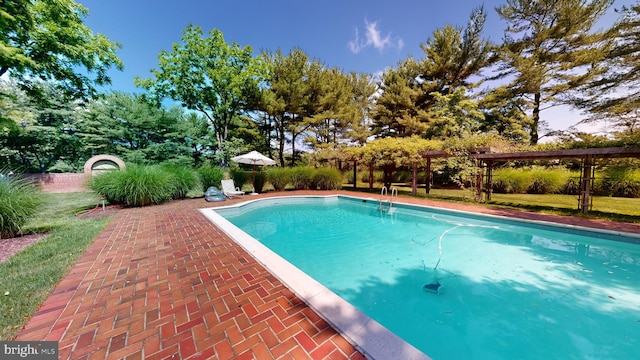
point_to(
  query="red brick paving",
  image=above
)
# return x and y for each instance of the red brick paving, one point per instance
(163, 282)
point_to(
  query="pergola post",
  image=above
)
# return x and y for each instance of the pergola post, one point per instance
(585, 185)
(428, 176)
(489, 181)
(479, 179)
(370, 177)
(414, 180)
(355, 174)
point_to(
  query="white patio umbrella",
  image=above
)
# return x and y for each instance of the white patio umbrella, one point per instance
(253, 158)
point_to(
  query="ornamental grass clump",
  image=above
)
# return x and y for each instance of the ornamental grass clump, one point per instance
(259, 179)
(210, 176)
(278, 177)
(621, 181)
(547, 181)
(19, 201)
(378, 176)
(327, 179)
(510, 181)
(239, 177)
(182, 179)
(135, 186)
(301, 177)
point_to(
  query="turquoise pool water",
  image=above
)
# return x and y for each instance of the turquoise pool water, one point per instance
(509, 289)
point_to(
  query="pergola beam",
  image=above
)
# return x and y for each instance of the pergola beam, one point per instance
(587, 155)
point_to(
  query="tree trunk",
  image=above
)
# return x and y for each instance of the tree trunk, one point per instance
(281, 147)
(414, 180)
(535, 118)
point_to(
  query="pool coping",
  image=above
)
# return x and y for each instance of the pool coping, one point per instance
(365, 334)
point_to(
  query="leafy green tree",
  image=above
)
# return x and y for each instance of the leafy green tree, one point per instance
(210, 76)
(550, 50)
(46, 40)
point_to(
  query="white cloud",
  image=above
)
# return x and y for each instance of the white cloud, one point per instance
(373, 37)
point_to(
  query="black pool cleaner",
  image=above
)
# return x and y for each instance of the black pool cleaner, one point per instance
(434, 286)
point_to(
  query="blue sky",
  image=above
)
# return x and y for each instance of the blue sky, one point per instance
(364, 36)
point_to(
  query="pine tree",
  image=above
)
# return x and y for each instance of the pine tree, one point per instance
(550, 50)
(453, 56)
(615, 96)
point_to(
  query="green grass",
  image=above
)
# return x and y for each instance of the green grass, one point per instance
(18, 202)
(28, 277)
(604, 207)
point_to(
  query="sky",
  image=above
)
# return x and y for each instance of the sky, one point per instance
(364, 36)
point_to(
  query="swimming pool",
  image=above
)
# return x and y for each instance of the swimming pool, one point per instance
(510, 289)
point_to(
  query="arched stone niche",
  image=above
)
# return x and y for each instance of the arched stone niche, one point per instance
(101, 163)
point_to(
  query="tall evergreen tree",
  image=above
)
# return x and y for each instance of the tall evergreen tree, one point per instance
(505, 114)
(131, 127)
(338, 114)
(288, 96)
(615, 96)
(550, 49)
(42, 134)
(453, 56)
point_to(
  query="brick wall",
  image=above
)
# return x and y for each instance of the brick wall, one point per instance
(60, 182)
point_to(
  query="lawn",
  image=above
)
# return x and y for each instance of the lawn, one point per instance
(28, 278)
(605, 207)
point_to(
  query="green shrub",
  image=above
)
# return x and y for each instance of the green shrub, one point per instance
(327, 179)
(182, 179)
(378, 176)
(259, 179)
(402, 176)
(510, 181)
(239, 177)
(535, 180)
(622, 182)
(135, 186)
(278, 177)
(210, 176)
(572, 186)
(19, 200)
(301, 177)
(547, 181)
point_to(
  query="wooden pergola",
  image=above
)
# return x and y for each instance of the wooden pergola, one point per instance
(588, 157)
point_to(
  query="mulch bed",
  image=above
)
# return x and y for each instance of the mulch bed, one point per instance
(11, 246)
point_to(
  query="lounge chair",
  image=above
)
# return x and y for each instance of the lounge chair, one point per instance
(230, 190)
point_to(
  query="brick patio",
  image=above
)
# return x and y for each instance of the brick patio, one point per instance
(163, 282)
